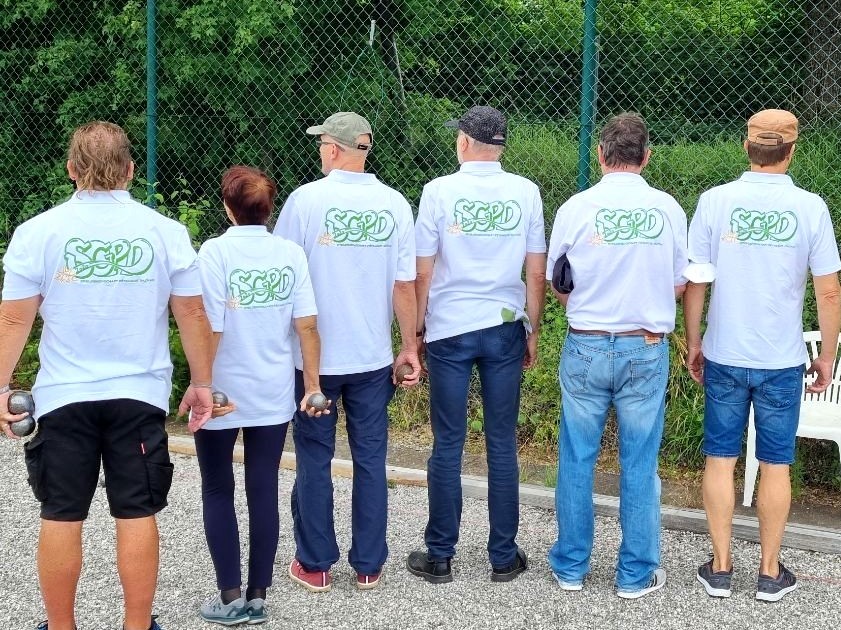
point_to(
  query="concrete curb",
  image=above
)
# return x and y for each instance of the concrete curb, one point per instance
(744, 527)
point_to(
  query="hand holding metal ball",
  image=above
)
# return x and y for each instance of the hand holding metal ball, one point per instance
(21, 402)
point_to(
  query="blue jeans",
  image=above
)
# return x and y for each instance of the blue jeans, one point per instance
(498, 353)
(365, 397)
(631, 374)
(729, 392)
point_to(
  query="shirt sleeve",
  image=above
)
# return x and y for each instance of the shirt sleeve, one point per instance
(405, 244)
(700, 234)
(558, 245)
(183, 265)
(536, 239)
(427, 238)
(23, 268)
(681, 259)
(289, 222)
(823, 250)
(303, 303)
(214, 285)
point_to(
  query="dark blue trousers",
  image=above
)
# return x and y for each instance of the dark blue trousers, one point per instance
(365, 397)
(498, 354)
(215, 450)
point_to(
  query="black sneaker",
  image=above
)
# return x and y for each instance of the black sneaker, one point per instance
(716, 583)
(510, 572)
(435, 571)
(770, 589)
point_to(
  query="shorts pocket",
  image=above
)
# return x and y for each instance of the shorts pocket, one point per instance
(34, 457)
(160, 481)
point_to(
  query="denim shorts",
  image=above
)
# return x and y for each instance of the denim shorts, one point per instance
(728, 394)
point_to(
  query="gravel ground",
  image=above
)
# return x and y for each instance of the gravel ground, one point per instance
(404, 602)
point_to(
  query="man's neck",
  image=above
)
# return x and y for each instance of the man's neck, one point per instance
(609, 170)
(772, 169)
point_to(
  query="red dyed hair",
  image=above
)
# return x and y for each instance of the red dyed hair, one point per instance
(249, 194)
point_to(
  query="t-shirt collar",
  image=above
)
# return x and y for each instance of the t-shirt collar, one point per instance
(624, 179)
(101, 196)
(766, 178)
(481, 167)
(350, 177)
(247, 230)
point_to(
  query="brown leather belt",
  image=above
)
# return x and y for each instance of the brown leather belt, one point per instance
(639, 332)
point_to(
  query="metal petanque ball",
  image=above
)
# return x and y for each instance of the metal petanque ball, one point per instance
(24, 427)
(21, 402)
(220, 398)
(317, 401)
(403, 370)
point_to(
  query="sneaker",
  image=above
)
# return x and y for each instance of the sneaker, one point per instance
(42, 626)
(770, 589)
(568, 586)
(367, 582)
(155, 625)
(510, 572)
(215, 610)
(315, 581)
(434, 571)
(256, 609)
(658, 581)
(716, 583)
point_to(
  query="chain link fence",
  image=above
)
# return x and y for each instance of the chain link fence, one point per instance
(239, 82)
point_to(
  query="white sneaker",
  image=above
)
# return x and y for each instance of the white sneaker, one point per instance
(567, 586)
(658, 581)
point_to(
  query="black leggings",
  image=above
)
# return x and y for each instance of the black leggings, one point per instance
(215, 449)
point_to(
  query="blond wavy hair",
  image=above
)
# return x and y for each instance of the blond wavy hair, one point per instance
(100, 155)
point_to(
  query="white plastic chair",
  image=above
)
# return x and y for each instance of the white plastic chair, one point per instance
(820, 416)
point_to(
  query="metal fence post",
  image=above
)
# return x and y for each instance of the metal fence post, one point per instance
(588, 94)
(151, 103)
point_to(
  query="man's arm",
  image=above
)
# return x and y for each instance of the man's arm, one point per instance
(16, 318)
(197, 341)
(406, 311)
(535, 298)
(828, 298)
(693, 309)
(307, 331)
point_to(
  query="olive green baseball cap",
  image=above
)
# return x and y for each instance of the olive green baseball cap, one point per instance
(345, 127)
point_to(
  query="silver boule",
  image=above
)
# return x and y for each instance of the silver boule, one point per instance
(24, 427)
(317, 401)
(21, 402)
(220, 398)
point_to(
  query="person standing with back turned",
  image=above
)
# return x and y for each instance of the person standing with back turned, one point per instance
(626, 246)
(357, 235)
(755, 239)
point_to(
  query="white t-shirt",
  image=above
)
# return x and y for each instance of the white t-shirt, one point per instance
(254, 284)
(762, 233)
(106, 267)
(626, 246)
(357, 235)
(479, 223)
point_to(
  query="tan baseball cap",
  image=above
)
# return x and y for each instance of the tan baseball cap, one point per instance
(345, 127)
(772, 127)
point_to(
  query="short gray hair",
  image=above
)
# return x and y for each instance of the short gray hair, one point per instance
(624, 140)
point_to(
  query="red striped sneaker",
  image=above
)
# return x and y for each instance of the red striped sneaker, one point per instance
(367, 582)
(315, 581)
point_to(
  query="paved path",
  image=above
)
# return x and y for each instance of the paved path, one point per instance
(404, 602)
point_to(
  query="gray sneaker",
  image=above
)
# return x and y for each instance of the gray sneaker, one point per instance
(214, 611)
(658, 581)
(716, 583)
(256, 609)
(770, 589)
